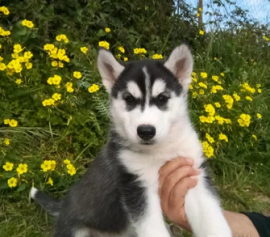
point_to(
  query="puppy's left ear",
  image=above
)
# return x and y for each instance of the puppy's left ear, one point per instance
(180, 63)
(109, 68)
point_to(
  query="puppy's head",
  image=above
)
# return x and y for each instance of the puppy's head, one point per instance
(147, 97)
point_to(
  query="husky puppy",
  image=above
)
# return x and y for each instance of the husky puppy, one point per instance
(118, 194)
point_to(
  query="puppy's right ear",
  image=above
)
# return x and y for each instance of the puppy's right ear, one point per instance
(109, 68)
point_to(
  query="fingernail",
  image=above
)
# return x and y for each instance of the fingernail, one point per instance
(194, 177)
(189, 161)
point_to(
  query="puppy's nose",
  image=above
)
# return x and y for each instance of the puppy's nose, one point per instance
(146, 132)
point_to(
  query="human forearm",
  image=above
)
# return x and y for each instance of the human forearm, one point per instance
(240, 224)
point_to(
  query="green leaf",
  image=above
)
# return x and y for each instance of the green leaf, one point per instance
(21, 188)
(3, 184)
(101, 33)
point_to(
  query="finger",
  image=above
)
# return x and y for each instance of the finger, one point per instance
(172, 179)
(177, 195)
(171, 166)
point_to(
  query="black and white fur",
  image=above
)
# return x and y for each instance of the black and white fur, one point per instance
(118, 194)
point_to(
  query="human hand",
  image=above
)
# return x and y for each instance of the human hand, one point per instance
(176, 177)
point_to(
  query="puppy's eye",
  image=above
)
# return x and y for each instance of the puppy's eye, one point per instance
(163, 99)
(129, 99)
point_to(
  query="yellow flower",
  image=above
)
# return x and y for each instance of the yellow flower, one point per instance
(214, 89)
(62, 37)
(203, 85)
(28, 24)
(247, 87)
(198, 14)
(8, 166)
(60, 64)
(194, 95)
(210, 109)
(215, 78)
(71, 169)
(249, 98)
(1, 58)
(259, 116)
(194, 74)
(222, 74)
(208, 149)
(215, 58)
(236, 96)
(48, 47)
(84, 49)
(2, 66)
(203, 75)
(209, 119)
(201, 91)
(244, 120)
(56, 80)
(17, 48)
(54, 63)
(6, 141)
(223, 137)
(259, 90)
(209, 138)
(4, 32)
(6, 121)
(70, 89)
(201, 32)
(66, 161)
(77, 75)
(255, 137)
(200, 9)
(125, 59)
(48, 102)
(28, 65)
(157, 56)
(217, 104)
(93, 88)
(56, 96)
(22, 169)
(12, 182)
(139, 51)
(191, 87)
(53, 165)
(104, 44)
(50, 181)
(107, 29)
(4, 10)
(15, 55)
(258, 85)
(203, 119)
(66, 58)
(121, 49)
(46, 166)
(18, 81)
(13, 123)
(228, 100)
(28, 54)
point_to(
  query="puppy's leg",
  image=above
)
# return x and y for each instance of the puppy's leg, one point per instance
(204, 212)
(152, 224)
(64, 228)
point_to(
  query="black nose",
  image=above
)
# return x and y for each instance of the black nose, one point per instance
(146, 132)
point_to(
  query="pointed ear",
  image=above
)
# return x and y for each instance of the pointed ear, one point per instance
(109, 68)
(180, 63)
